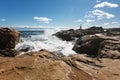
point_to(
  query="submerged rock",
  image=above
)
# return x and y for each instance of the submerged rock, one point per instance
(98, 46)
(25, 48)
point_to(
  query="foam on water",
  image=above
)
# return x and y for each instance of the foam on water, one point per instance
(46, 41)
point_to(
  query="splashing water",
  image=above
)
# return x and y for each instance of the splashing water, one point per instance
(33, 40)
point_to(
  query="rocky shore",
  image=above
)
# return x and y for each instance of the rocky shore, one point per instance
(72, 34)
(98, 57)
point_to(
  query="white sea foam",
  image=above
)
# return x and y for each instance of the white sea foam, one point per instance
(46, 41)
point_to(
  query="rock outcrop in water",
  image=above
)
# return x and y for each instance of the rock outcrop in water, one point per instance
(8, 39)
(98, 46)
(71, 34)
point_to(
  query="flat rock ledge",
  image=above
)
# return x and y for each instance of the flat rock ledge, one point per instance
(41, 65)
(44, 65)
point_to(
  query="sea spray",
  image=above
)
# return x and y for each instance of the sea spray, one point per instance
(36, 40)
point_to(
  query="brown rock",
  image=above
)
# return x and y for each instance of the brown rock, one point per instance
(99, 69)
(98, 46)
(109, 48)
(8, 38)
(39, 66)
(71, 34)
(97, 29)
(8, 52)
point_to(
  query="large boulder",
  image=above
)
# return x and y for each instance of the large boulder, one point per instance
(65, 35)
(8, 39)
(98, 46)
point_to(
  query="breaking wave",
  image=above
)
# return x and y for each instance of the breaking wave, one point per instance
(35, 40)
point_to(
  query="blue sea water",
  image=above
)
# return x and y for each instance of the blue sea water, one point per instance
(34, 39)
(26, 32)
(30, 33)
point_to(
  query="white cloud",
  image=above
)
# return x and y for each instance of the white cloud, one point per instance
(85, 21)
(114, 22)
(79, 20)
(89, 20)
(111, 24)
(42, 19)
(3, 20)
(98, 0)
(101, 14)
(106, 24)
(106, 4)
(89, 15)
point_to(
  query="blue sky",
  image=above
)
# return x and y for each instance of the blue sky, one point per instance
(56, 13)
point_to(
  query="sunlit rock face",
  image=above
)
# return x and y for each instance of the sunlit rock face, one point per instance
(41, 65)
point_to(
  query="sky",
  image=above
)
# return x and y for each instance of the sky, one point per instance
(59, 13)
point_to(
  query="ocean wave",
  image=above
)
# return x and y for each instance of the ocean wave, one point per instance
(45, 41)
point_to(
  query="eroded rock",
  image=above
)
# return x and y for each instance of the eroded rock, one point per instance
(98, 46)
(41, 65)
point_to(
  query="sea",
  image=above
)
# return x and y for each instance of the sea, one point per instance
(35, 39)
